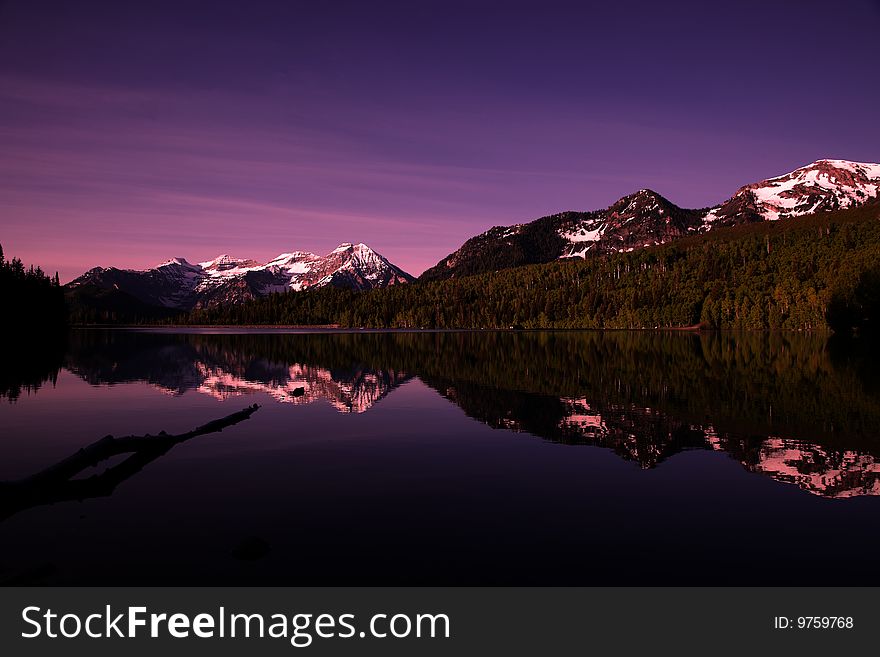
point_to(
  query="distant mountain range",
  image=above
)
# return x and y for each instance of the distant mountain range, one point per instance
(647, 219)
(637, 221)
(178, 284)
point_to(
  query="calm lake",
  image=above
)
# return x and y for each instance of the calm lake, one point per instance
(446, 458)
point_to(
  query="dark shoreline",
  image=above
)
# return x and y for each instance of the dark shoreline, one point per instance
(335, 328)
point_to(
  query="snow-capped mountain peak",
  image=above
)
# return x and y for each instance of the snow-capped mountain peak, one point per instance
(644, 219)
(296, 262)
(178, 284)
(175, 261)
(227, 263)
(293, 256)
(821, 186)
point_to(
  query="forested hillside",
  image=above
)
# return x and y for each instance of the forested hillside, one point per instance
(801, 273)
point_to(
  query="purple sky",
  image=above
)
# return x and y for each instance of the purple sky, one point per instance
(130, 135)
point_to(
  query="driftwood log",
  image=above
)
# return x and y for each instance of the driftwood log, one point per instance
(56, 483)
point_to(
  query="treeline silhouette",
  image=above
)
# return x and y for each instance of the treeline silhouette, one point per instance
(807, 273)
(33, 328)
(34, 300)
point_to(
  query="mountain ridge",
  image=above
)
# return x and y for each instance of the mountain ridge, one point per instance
(646, 218)
(636, 221)
(178, 284)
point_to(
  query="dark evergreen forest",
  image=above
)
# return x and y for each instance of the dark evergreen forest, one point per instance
(808, 273)
(34, 300)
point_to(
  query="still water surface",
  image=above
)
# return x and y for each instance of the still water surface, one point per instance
(448, 458)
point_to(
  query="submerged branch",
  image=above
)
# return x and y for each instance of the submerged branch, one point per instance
(55, 483)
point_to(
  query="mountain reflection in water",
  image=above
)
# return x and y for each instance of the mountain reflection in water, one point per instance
(798, 408)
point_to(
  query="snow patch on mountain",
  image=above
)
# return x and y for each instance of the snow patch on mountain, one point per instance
(580, 238)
